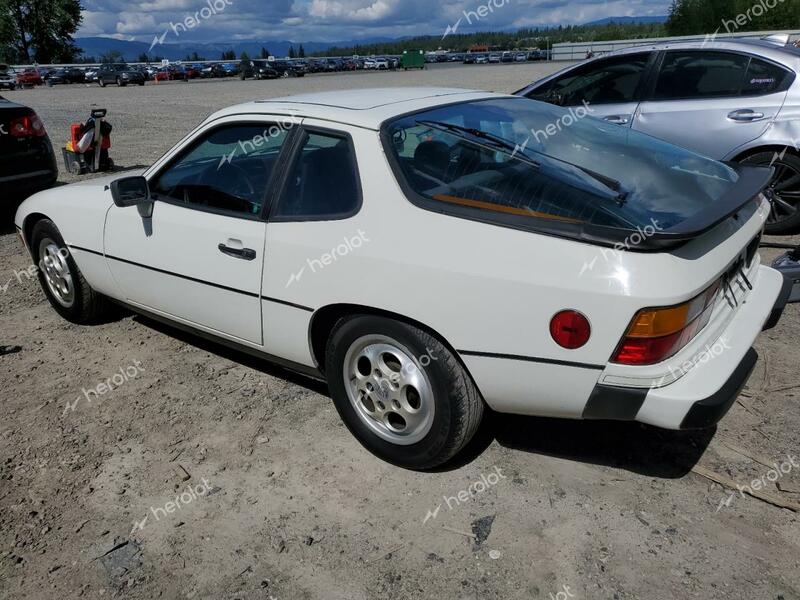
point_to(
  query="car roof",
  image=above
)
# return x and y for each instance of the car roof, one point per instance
(788, 55)
(368, 108)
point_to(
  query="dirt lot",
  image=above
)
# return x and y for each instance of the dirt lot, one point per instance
(285, 504)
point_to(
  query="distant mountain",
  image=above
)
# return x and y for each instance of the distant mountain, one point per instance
(629, 20)
(97, 46)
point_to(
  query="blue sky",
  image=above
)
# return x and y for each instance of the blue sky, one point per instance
(332, 20)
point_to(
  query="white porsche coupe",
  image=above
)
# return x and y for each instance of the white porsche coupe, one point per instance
(432, 252)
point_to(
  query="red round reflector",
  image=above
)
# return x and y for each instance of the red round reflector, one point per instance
(570, 329)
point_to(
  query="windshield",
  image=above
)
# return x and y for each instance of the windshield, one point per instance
(526, 158)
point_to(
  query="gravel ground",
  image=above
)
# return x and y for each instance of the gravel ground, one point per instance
(286, 504)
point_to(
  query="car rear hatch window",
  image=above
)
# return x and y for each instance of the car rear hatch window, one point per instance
(531, 165)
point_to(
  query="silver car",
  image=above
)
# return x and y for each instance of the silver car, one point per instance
(732, 100)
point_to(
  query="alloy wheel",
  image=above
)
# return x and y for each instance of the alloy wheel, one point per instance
(388, 389)
(57, 274)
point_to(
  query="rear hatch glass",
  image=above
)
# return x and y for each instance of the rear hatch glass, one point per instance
(532, 165)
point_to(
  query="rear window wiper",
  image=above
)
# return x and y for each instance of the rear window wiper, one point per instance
(518, 152)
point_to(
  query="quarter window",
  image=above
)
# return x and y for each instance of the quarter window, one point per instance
(227, 170)
(766, 78)
(323, 182)
(606, 81)
(694, 75)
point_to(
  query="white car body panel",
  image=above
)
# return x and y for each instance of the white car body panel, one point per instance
(488, 291)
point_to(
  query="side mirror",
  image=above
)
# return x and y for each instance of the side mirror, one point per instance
(133, 191)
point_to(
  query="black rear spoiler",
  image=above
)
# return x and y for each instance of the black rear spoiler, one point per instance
(752, 182)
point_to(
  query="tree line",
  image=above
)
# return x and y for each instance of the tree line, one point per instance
(696, 17)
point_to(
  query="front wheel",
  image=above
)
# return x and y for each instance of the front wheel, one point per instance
(401, 392)
(784, 216)
(62, 281)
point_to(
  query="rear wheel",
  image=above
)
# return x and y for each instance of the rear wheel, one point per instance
(401, 392)
(61, 279)
(784, 216)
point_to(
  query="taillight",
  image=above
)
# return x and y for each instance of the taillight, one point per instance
(27, 126)
(570, 329)
(656, 334)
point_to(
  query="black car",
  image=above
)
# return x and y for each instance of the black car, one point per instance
(287, 68)
(120, 73)
(262, 69)
(56, 77)
(27, 161)
(210, 71)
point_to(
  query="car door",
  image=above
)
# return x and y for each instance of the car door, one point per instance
(199, 258)
(313, 233)
(713, 101)
(609, 87)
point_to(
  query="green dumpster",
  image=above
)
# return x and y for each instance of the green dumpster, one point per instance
(413, 59)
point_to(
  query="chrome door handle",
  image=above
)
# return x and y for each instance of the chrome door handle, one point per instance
(243, 253)
(745, 116)
(618, 119)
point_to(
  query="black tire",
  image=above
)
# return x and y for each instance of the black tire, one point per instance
(784, 218)
(458, 405)
(141, 83)
(88, 306)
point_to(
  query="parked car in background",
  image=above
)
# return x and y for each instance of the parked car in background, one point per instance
(27, 160)
(412, 380)
(731, 100)
(287, 68)
(521, 57)
(8, 79)
(262, 69)
(507, 57)
(119, 74)
(482, 59)
(90, 75)
(29, 77)
(56, 77)
(495, 57)
(230, 69)
(192, 71)
(214, 70)
(171, 73)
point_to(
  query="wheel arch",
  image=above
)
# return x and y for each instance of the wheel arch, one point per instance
(324, 320)
(777, 148)
(28, 224)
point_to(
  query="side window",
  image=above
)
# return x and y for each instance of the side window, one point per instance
(766, 78)
(226, 170)
(323, 181)
(698, 74)
(606, 81)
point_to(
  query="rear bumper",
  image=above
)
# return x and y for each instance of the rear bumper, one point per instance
(710, 384)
